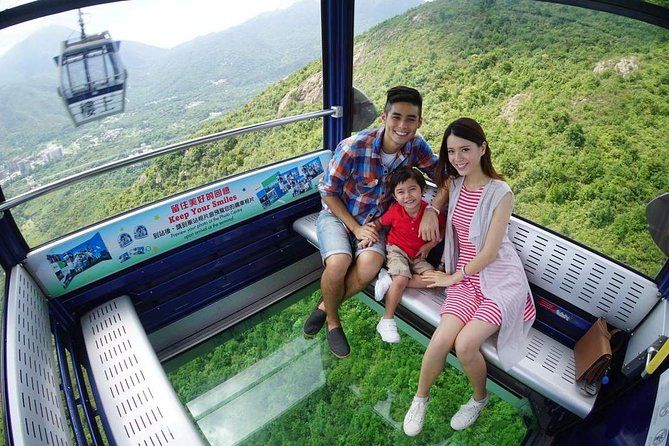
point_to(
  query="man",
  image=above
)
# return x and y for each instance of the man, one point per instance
(355, 190)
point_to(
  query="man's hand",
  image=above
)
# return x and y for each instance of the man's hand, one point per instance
(429, 226)
(367, 233)
(424, 250)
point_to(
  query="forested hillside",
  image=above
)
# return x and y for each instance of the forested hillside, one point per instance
(581, 136)
(575, 104)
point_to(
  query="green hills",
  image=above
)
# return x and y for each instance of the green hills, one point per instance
(575, 104)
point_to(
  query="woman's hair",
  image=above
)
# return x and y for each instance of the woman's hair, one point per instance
(468, 129)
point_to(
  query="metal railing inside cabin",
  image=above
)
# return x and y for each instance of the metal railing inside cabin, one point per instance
(335, 112)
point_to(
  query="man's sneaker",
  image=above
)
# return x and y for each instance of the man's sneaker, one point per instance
(338, 343)
(413, 420)
(387, 328)
(315, 321)
(468, 413)
(383, 282)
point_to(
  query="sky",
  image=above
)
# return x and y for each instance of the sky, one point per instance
(163, 23)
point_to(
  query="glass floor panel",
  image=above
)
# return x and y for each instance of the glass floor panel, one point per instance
(262, 382)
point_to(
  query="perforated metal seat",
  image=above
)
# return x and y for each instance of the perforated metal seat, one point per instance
(597, 285)
(138, 402)
(36, 413)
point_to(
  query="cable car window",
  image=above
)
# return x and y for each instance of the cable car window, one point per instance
(574, 101)
(265, 67)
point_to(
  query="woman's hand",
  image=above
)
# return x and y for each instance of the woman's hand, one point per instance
(440, 279)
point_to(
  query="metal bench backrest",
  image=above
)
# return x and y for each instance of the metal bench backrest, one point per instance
(584, 279)
(581, 277)
(35, 410)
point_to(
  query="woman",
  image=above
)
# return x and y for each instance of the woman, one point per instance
(486, 287)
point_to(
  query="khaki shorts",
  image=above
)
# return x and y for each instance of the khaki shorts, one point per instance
(399, 263)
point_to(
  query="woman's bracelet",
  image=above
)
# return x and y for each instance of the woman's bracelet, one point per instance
(429, 206)
(464, 274)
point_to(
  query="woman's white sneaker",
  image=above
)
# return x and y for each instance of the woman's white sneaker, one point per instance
(387, 328)
(413, 420)
(468, 413)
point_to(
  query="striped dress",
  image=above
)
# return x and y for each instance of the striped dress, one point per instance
(465, 300)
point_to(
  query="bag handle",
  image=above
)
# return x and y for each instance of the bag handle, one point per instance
(619, 342)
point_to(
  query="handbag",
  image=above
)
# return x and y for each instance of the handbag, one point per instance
(592, 355)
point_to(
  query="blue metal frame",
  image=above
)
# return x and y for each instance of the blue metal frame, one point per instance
(337, 34)
(94, 388)
(66, 386)
(662, 280)
(624, 421)
(84, 397)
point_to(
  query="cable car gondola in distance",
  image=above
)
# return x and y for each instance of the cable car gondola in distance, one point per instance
(92, 79)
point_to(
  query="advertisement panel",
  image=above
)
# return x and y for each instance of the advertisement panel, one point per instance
(120, 243)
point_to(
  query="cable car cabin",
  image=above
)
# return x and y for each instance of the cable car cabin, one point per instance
(92, 78)
(179, 321)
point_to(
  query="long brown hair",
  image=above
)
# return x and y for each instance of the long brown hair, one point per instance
(470, 130)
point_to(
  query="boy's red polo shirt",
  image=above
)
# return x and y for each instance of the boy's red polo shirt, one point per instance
(404, 229)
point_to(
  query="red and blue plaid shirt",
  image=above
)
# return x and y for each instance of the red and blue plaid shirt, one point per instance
(358, 178)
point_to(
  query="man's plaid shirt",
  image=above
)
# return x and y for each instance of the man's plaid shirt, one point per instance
(355, 173)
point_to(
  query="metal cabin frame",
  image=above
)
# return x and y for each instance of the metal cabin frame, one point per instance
(144, 280)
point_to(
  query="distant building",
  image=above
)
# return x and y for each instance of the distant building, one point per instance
(24, 166)
(53, 152)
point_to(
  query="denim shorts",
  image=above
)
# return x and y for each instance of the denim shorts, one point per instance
(335, 238)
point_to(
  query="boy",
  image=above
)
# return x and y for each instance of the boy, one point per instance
(406, 250)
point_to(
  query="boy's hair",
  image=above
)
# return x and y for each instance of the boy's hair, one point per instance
(401, 93)
(403, 174)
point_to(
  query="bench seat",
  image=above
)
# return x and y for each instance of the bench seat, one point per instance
(139, 404)
(548, 367)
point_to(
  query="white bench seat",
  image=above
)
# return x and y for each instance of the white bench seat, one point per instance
(548, 367)
(138, 401)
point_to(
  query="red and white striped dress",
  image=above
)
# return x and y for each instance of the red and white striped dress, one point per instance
(465, 300)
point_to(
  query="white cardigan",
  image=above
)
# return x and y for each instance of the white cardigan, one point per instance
(503, 280)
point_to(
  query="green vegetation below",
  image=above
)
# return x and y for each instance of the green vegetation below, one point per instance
(342, 410)
(574, 102)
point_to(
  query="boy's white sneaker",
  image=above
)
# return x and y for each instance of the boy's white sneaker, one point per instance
(413, 420)
(468, 413)
(383, 282)
(387, 328)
